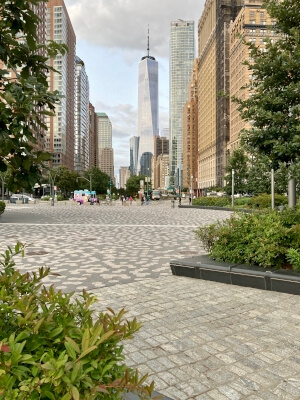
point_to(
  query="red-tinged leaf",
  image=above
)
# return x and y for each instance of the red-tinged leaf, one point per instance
(4, 348)
(101, 389)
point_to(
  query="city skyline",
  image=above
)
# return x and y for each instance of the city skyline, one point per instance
(111, 49)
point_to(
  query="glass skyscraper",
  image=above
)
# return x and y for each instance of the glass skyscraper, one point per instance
(182, 55)
(134, 148)
(81, 134)
(147, 111)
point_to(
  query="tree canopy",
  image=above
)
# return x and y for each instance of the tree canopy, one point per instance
(133, 184)
(100, 180)
(25, 98)
(273, 109)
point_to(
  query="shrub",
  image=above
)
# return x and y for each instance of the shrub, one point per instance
(259, 239)
(61, 197)
(242, 201)
(293, 257)
(211, 201)
(290, 216)
(2, 207)
(264, 201)
(52, 347)
(208, 235)
(45, 198)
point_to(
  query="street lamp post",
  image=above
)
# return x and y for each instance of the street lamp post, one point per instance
(52, 181)
(2, 189)
(272, 189)
(232, 189)
(192, 190)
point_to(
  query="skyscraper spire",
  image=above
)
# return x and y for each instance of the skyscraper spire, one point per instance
(148, 48)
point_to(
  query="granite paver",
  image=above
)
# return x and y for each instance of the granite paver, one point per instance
(199, 340)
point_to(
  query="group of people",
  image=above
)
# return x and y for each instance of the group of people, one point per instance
(126, 198)
(145, 199)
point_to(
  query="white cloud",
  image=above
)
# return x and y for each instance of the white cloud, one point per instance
(123, 24)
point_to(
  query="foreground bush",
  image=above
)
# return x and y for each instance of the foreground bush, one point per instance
(262, 239)
(2, 207)
(52, 347)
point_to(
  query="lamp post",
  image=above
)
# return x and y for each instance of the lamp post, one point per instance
(272, 189)
(192, 190)
(2, 189)
(52, 181)
(232, 189)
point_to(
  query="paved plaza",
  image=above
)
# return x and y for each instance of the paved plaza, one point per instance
(199, 340)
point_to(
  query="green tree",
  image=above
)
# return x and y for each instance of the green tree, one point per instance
(133, 184)
(239, 163)
(100, 180)
(66, 180)
(273, 108)
(25, 98)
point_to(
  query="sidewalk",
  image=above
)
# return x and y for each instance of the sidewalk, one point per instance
(205, 340)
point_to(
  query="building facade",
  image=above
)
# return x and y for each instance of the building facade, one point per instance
(106, 161)
(190, 130)
(105, 150)
(182, 55)
(93, 137)
(124, 175)
(147, 110)
(134, 155)
(81, 134)
(60, 134)
(161, 148)
(213, 79)
(255, 25)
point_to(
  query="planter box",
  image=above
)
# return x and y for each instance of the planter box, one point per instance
(250, 276)
(203, 267)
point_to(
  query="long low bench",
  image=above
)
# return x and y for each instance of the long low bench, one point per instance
(203, 267)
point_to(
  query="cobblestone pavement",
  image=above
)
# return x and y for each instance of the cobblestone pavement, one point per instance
(199, 340)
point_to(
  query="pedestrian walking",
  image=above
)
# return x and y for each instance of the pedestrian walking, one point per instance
(130, 200)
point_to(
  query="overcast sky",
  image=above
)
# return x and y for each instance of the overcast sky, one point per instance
(111, 39)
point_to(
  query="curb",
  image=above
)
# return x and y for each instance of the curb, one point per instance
(131, 396)
(205, 268)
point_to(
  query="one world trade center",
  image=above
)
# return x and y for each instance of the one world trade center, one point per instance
(147, 111)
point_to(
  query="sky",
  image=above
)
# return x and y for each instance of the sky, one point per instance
(111, 39)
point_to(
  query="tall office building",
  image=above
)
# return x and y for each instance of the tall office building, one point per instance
(134, 155)
(105, 150)
(60, 134)
(190, 132)
(213, 79)
(182, 55)
(93, 137)
(160, 162)
(255, 25)
(124, 174)
(104, 131)
(147, 111)
(81, 134)
(106, 161)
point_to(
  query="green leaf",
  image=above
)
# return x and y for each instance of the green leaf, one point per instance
(87, 351)
(56, 332)
(75, 393)
(70, 350)
(73, 344)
